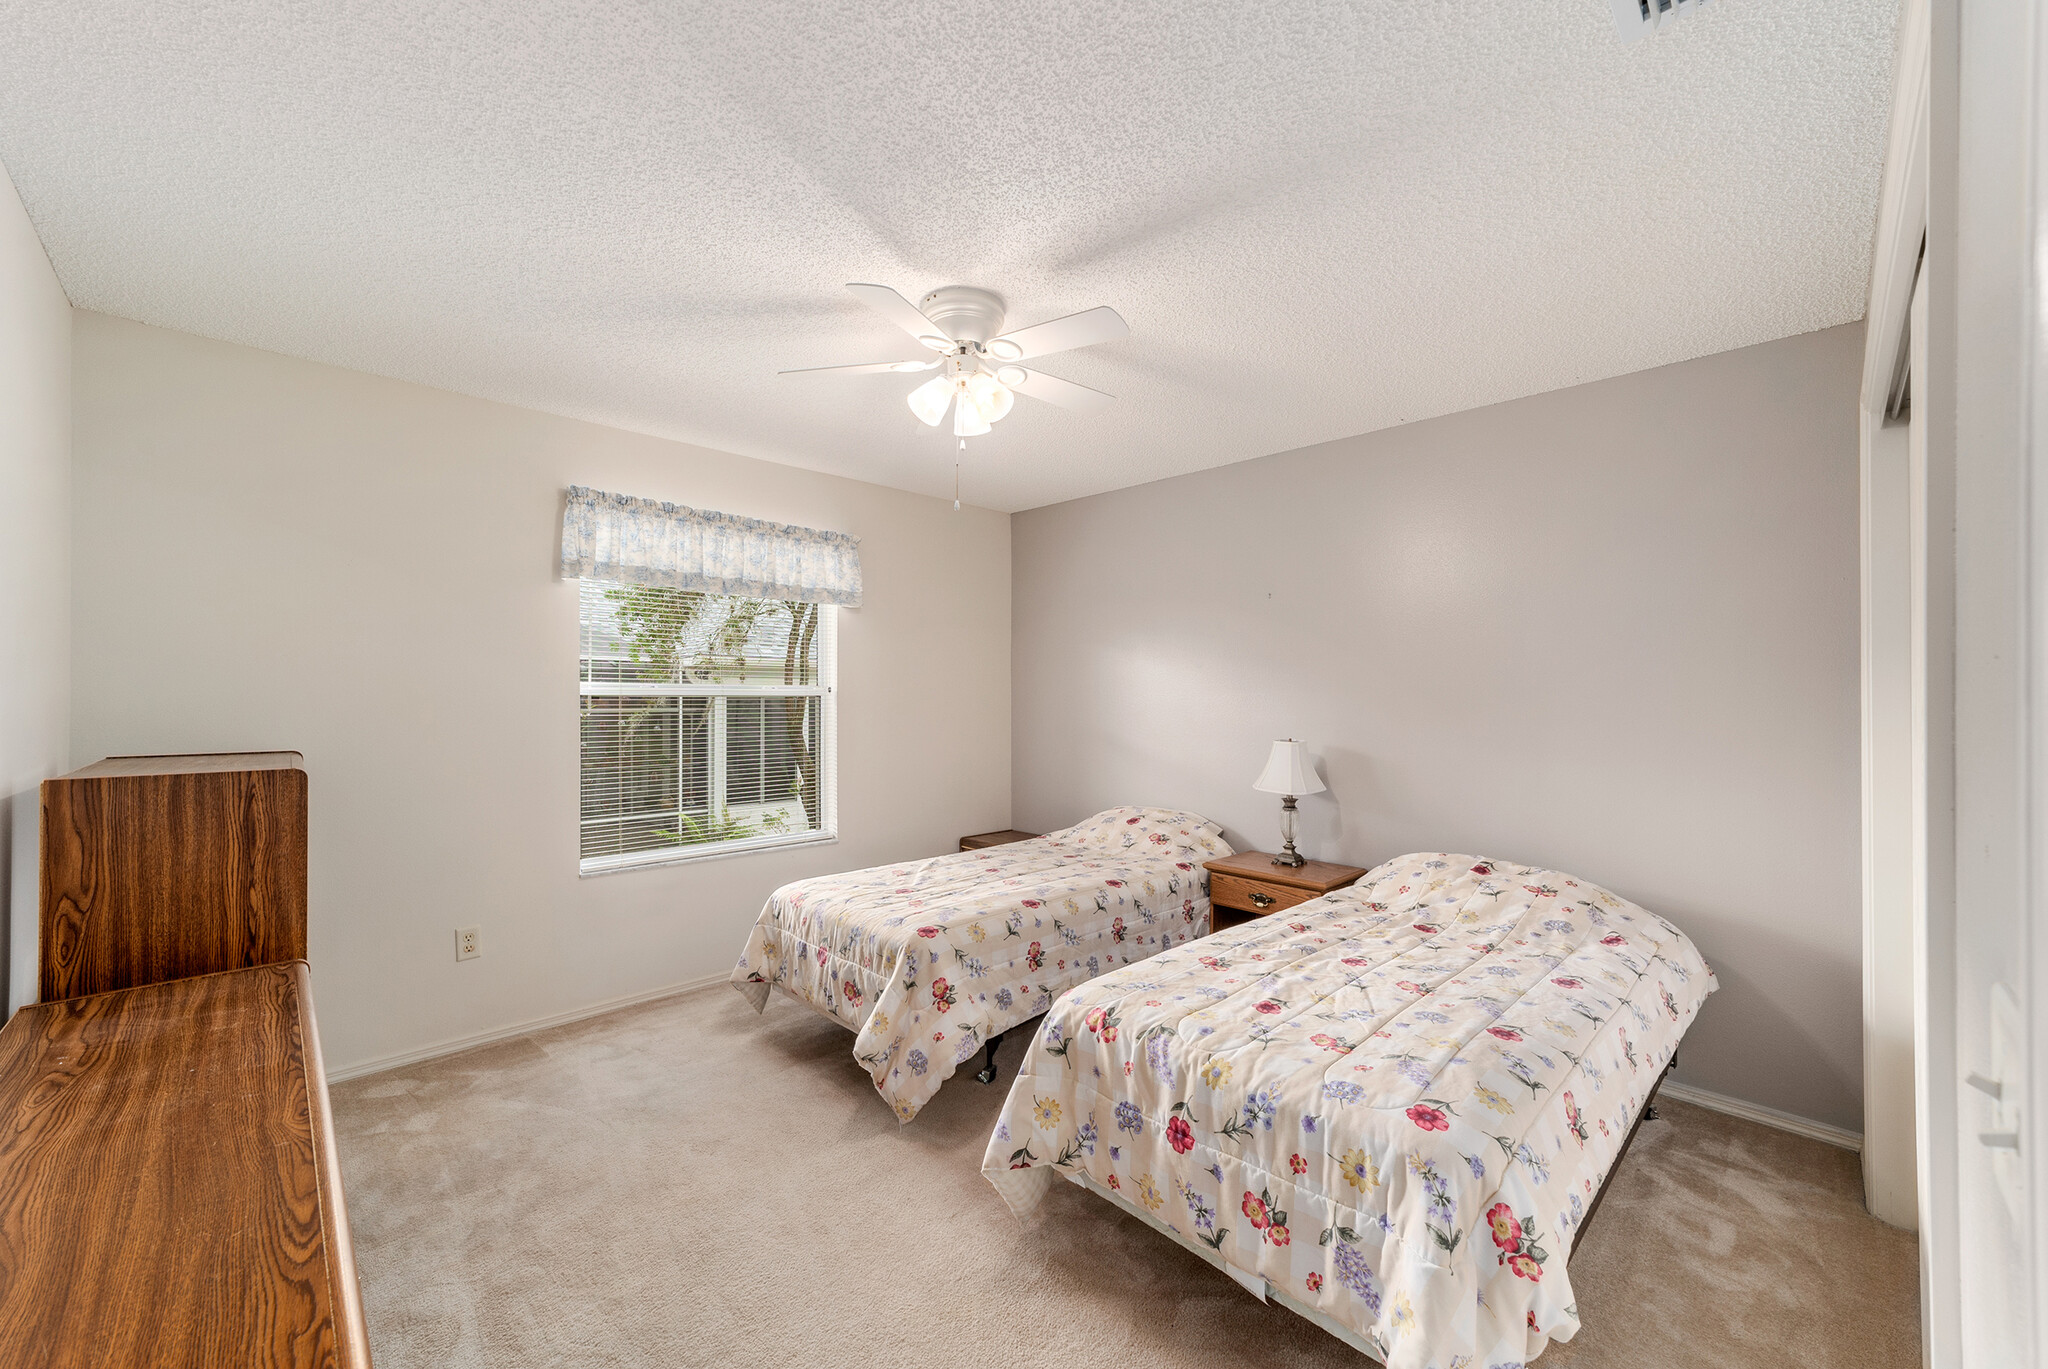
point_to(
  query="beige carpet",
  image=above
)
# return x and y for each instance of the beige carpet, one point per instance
(687, 1183)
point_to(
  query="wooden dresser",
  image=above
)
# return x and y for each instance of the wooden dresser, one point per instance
(168, 1188)
(159, 867)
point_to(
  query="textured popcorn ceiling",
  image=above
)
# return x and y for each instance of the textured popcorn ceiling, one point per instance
(1319, 219)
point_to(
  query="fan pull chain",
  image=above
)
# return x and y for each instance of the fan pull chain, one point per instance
(956, 484)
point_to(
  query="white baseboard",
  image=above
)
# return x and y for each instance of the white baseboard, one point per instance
(1770, 1117)
(463, 1043)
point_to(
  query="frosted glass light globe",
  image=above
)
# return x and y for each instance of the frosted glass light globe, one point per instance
(989, 398)
(929, 400)
(967, 417)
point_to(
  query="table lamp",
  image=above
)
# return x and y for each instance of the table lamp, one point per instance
(1287, 774)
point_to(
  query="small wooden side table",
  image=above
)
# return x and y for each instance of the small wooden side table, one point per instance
(985, 839)
(1251, 883)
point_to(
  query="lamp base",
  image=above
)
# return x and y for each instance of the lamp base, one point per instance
(1288, 855)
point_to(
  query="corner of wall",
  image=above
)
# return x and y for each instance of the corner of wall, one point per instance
(35, 570)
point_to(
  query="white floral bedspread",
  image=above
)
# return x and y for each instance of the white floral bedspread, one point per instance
(928, 959)
(1394, 1103)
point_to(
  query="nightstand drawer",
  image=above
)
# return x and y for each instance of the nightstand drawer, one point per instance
(1251, 896)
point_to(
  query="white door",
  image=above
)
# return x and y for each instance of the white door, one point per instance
(1998, 461)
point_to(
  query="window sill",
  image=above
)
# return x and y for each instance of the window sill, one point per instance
(619, 865)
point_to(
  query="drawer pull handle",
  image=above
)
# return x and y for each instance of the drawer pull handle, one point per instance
(1260, 900)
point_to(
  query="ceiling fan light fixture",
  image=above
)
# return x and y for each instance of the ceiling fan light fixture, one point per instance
(963, 325)
(990, 399)
(929, 400)
(968, 420)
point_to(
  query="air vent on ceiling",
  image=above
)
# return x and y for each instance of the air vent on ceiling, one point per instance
(1637, 17)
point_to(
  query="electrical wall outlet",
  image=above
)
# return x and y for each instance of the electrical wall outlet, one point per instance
(469, 942)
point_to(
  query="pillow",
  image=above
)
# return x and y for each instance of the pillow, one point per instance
(1122, 829)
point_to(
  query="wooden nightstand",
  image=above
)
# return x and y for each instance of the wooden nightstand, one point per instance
(1251, 883)
(983, 839)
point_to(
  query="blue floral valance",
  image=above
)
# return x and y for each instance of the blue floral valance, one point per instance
(646, 542)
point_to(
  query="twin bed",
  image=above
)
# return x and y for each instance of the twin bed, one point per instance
(1391, 1108)
(931, 961)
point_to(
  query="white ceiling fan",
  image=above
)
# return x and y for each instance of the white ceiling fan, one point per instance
(979, 374)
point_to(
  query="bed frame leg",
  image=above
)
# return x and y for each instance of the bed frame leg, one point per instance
(1650, 1109)
(987, 1074)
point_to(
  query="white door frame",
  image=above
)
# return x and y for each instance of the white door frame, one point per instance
(1894, 697)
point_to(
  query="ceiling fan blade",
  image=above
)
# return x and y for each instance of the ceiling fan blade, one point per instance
(1090, 326)
(1064, 393)
(865, 367)
(900, 312)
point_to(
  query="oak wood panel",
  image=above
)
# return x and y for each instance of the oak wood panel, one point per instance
(186, 870)
(1316, 876)
(168, 1188)
(1229, 891)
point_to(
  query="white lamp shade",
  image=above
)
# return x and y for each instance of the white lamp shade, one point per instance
(1288, 771)
(990, 398)
(968, 420)
(929, 400)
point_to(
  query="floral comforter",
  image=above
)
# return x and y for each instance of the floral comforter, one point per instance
(929, 959)
(1394, 1103)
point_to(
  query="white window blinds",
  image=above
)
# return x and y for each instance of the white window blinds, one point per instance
(707, 722)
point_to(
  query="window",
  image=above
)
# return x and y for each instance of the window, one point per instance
(707, 724)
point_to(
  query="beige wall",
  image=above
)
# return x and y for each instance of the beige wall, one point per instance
(275, 553)
(1611, 629)
(35, 571)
